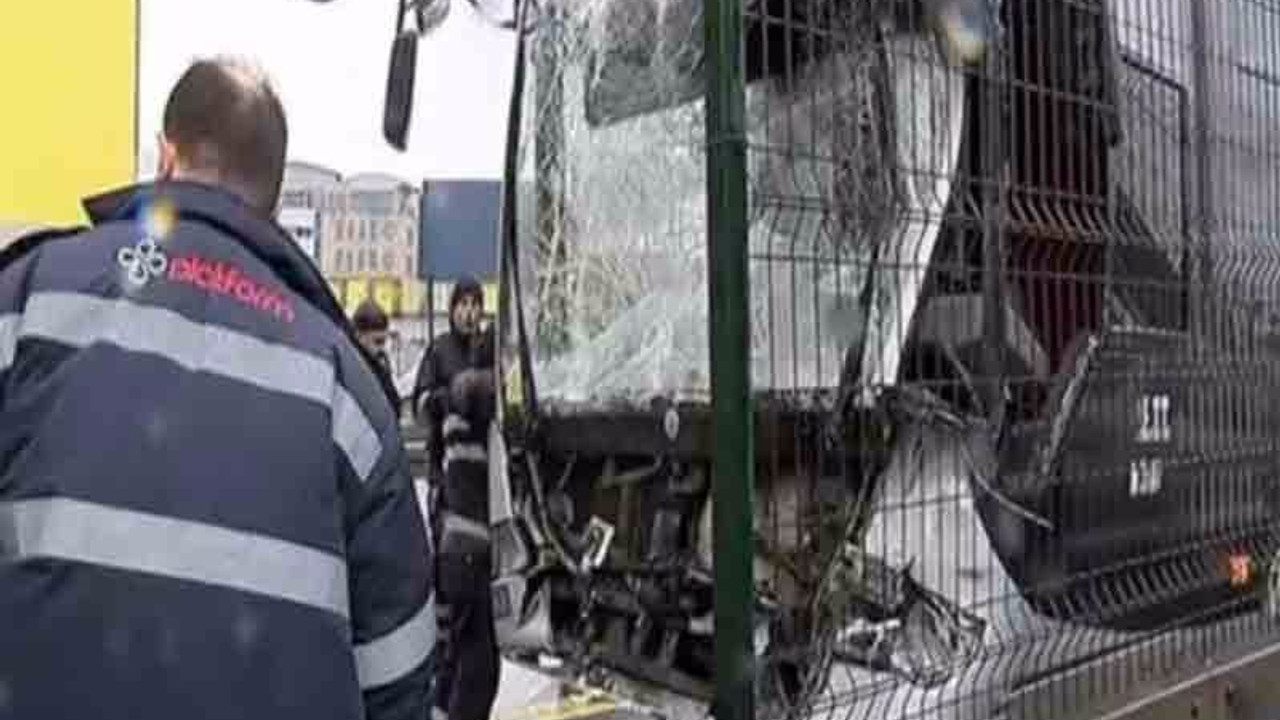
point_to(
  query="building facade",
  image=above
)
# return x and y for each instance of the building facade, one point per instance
(303, 225)
(367, 229)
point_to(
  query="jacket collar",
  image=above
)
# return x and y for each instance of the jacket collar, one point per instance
(196, 201)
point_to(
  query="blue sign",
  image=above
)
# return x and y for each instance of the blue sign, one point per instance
(459, 229)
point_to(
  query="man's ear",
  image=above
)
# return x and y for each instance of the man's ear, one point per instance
(167, 165)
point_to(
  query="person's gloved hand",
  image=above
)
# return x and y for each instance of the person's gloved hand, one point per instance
(471, 394)
(432, 406)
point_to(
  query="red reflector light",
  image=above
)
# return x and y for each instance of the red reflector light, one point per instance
(1240, 569)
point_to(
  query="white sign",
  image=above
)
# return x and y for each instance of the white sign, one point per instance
(303, 225)
(1153, 419)
(1146, 477)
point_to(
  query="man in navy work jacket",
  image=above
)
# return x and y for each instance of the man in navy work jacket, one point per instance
(205, 506)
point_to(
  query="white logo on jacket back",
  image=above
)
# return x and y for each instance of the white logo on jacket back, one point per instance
(143, 261)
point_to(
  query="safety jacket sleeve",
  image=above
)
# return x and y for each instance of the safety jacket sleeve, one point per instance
(389, 554)
(430, 402)
(14, 274)
(17, 260)
(424, 383)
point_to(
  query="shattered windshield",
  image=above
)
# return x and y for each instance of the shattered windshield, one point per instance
(614, 204)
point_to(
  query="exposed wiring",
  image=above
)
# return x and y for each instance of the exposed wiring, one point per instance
(550, 531)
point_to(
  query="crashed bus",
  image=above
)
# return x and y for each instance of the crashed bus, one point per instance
(1013, 344)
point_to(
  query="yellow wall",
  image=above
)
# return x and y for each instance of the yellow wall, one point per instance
(398, 296)
(444, 289)
(67, 75)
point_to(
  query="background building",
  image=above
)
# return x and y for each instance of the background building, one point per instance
(303, 225)
(367, 234)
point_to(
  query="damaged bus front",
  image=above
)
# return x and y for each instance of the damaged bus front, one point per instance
(1011, 380)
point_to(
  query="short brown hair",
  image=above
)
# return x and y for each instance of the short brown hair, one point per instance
(224, 118)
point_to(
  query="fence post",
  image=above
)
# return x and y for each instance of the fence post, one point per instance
(1203, 301)
(729, 318)
(992, 98)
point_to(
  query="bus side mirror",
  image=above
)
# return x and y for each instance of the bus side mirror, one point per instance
(398, 109)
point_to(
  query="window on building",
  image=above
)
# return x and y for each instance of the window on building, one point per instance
(379, 203)
(296, 198)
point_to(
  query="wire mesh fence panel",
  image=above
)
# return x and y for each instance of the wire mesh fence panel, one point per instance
(1014, 354)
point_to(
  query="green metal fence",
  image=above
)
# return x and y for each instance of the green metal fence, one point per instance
(933, 339)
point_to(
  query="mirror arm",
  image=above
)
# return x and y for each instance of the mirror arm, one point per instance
(400, 16)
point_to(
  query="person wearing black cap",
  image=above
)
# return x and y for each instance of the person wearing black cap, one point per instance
(373, 329)
(466, 346)
(454, 398)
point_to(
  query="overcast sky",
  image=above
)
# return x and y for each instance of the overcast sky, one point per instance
(329, 62)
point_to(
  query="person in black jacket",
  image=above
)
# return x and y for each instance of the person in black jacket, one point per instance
(466, 345)
(205, 504)
(455, 398)
(373, 330)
